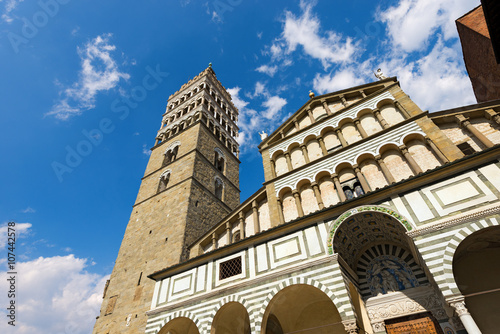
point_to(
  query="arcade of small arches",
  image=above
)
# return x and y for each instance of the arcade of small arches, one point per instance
(330, 139)
(376, 259)
(345, 181)
(218, 131)
(348, 130)
(213, 104)
(211, 91)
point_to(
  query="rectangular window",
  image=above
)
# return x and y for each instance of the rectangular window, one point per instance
(230, 268)
(466, 148)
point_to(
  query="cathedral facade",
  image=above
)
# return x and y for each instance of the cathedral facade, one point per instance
(374, 217)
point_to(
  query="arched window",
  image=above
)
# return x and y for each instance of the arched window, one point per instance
(171, 153)
(164, 179)
(219, 188)
(219, 160)
(236, 236)
(352, 188)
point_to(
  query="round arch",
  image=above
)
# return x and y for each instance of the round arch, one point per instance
(476, 268)
(372, 208)
(232, 317)
(449, 286)
(180, 324)
(301, 304)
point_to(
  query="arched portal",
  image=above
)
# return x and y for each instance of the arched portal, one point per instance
(304, 309)
(231, 318)
(476, 269)
(180, 325)
(373, 248)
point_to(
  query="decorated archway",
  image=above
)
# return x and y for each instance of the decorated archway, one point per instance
(373, 247)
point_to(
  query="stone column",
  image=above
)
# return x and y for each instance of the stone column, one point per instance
(296, 195)
(339, 188)
(241, 219)
(465, 123)
(413, 164)
(311, 116)
(288, 161)
(322, 145)
(387, 173)
(214, 241)
(381, 119)
(280, 211)
(304, 153)
(360, 128)
(255, 215)
(350, 326)
(470, 325)
(341, 137)
(344, 101)
(229, 238)
(402, 109)
(361, 179)
(297, 127)
(317, 194)
(273, 168)
(327, 108)
(436, 150)
(362, 92)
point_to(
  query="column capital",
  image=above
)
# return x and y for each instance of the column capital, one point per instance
(241, 215)
(378, 326)
(350, 326)
(295, 193)
(314, 184)
(462, 120)
(458, 303)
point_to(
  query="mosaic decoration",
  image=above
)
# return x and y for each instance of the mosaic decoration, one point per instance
(360, 209)
(388, 273)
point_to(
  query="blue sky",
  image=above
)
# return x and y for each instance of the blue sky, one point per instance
(68, 66)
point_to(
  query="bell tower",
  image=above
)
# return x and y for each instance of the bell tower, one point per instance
(191, 182)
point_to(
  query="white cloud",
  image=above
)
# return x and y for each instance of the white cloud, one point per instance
(411, 23)
(273, 105)
(251, 121)
(29, 210)
(304, 31)
(20, 231)
(58, 296)
(260, 89)
(436, 81)
(10, 5)
(269, 70)
(146, 150)
(99, 72)
(336, 81)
